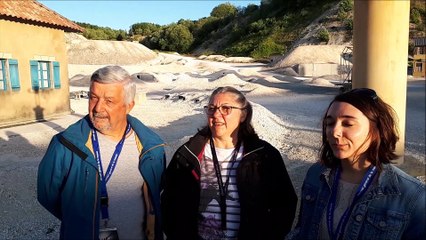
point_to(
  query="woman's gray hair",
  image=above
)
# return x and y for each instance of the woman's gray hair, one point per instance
(246, 129)
(116, 74)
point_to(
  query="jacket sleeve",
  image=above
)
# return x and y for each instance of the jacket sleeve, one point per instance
(167, 210)
(416, 226)
(267, 197)
(179, 200)
(284, 193)
(52, 171)
(305, 211)
(152, 167)
(295, 233)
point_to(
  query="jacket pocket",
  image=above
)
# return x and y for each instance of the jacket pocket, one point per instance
(383, 224)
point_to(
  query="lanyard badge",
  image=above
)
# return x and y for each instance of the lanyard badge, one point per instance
(104, 178)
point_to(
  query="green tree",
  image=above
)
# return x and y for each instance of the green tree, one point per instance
(224, 10)
(177, 38)
(250, 9)
(95, 34)
(190, 24)
(204, 27)
(144, 29)
(102, 33)
(153, 40)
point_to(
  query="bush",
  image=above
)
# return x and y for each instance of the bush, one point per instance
(257, 26)
(349, 24)
(240, 48)
(323, 35)
(415, 16)
(267, 48)
(345, 7)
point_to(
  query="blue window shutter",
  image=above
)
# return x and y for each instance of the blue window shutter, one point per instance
(14, 74)
(34, 75)
(4, 80)
(56, 75)
(49, 78)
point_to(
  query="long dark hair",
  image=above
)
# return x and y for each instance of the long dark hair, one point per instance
(383, 129)
(245, 129)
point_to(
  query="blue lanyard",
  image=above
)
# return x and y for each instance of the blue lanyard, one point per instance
(104, 178)
(362, 188)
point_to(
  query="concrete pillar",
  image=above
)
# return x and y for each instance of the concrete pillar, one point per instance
(380, 54)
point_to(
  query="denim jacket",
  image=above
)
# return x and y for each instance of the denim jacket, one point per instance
(393, 207)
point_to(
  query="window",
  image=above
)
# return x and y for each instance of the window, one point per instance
(43, 73)
(9, 75)
(419, 67)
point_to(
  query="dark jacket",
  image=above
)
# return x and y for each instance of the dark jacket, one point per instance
(68, 178)
(267, 197)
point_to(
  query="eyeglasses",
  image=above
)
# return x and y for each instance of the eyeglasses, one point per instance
(366, 92)
(223, 109)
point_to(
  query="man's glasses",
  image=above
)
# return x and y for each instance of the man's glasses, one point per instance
(365, 92)
(223, 109)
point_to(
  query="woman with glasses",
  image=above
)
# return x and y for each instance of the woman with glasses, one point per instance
(225, 182)
(354, 192)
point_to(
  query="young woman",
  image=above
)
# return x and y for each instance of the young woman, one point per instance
(225, 182)
(354, 192)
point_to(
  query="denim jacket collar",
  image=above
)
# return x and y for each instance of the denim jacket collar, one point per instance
(327, 176)
(385, 185)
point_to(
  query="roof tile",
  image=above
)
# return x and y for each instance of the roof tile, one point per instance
(36, 13)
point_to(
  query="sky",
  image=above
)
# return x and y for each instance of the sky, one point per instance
(123, 14)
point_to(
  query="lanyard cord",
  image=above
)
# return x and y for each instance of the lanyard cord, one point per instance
(104, 178)
(362, 188)
(223, 189)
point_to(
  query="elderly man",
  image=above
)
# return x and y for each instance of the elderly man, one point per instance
(101, 176)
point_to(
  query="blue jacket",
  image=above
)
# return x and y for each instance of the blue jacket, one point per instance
(68, 178)
(393, 208)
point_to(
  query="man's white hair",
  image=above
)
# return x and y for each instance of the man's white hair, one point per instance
(116, 74)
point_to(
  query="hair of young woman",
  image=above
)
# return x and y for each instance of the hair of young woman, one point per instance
(383, 129)
(245, 129)
(116, 74)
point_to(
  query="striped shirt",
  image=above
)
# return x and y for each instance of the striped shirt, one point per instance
(209, 224)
